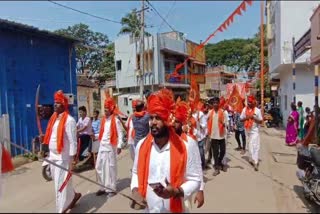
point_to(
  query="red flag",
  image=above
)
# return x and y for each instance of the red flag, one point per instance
(220, 29)
(238, 11)
(249, 2)
(7, 165)
(235, 100)
(243, 6)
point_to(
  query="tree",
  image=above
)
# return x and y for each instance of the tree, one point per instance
(131, 25)
(87, 58)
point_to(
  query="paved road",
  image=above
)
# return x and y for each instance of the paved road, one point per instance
(274, 188)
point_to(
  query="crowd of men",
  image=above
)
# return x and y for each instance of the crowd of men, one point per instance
(167, 141)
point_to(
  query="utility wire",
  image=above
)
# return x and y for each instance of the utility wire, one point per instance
(85, 13)
(156, 11)
(166, 17)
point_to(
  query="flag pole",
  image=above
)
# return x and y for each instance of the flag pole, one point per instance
(262, 57)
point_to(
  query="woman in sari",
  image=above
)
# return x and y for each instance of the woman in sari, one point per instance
(292, 126)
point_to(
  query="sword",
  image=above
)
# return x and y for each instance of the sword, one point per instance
(80, 176)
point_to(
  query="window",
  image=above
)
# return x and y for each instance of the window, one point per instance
(285, 102)
(126, 101)
(118, 65)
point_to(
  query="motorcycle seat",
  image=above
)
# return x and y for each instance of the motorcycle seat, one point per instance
(315, 156)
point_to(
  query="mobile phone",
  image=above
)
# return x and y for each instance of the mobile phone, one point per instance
(156, 185)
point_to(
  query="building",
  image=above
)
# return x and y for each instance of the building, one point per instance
(285, 20)
(161, 55)
(216, 81)
(315, 36)
(31, 57)
(87, 94)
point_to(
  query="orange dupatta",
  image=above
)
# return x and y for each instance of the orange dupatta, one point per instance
(61, 130)
(133, 133)
(220, 122)
(178, 162)
(249, 123)
(113, 130)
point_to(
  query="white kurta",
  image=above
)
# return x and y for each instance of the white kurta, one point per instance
(201, 125)
(253, 135)
(63, 199)
(130, 138)
(159, 169)
(106, 165)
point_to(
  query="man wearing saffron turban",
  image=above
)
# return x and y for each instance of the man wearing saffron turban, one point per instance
(252, 118)
(110, 137)
(166, 169)
(61, 138)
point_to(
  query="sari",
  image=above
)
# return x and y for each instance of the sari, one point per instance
(292, 128)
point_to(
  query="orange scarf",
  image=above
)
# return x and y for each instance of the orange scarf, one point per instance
(61, 130)
(184, 137)
(139, 114)
(249, 123)
(178, 162)
(133, 133)
(6, 161)
(113, 130)
(220, 122)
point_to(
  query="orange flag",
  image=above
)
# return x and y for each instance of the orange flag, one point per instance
(7, 165)
(235, 100)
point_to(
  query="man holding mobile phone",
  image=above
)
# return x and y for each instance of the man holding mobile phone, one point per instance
(252, 118)
(163, 157)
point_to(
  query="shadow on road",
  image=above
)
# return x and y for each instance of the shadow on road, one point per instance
(89, 203)
(123, 184)
(309, 205)
(19, 171)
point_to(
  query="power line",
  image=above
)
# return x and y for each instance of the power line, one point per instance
(88, 14)
(169, 11)
(156, 11)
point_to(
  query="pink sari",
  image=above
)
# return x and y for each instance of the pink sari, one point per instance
(292, 129)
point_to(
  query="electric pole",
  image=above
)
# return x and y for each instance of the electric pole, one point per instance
(142, 51)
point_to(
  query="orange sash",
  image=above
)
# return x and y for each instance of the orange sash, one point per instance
(220, 122)
(113, 130)
(178, 162)
(249, 123)
(61, 130)
(133, 133)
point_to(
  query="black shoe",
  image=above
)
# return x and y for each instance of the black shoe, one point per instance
(256, 167)
(100, 192)
(224, 168)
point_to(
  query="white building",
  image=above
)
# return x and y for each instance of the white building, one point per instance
(285, 20)
(161, 55)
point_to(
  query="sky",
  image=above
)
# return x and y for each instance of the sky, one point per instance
(197, 19)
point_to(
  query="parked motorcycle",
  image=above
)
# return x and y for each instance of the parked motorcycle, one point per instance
(46, 169)
(308, 162)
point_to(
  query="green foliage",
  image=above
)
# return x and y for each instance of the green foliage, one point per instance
(93, 59)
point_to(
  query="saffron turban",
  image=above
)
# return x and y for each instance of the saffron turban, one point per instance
(251, 99)
(109, 104)
(181, 112)
(161, 104)
(60, 98)
(222, 102)
(134, 103)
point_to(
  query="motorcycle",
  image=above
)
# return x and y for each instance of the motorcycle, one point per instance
(308, 162)
(46, 169)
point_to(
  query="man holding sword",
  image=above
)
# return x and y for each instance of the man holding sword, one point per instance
(61, 138)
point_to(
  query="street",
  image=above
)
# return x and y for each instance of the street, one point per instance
(274, 188)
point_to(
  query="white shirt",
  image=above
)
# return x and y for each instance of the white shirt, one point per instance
(85, 122)
(159, 169)
(69, 140)
(130, 139)
(255, 126)
(191, 140)
(105, 144)
(215, 133)
(201, 125)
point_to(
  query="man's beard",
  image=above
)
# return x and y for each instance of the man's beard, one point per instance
(178, 130)
(159, 133)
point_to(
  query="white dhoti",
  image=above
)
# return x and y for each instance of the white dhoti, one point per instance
(254, 146)
(131, 150)
(106, 167)
(64, 198)
(95, 146)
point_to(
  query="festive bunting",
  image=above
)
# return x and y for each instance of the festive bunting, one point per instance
(221, 28)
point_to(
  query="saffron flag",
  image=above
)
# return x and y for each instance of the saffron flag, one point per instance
(7, 165)
(235, 100)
